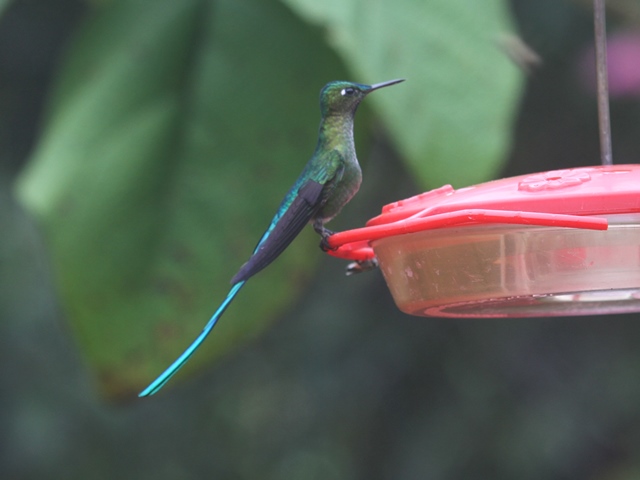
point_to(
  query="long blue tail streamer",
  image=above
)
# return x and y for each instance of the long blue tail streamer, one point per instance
(164, 377)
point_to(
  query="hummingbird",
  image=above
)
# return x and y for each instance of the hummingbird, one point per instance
(329, 180)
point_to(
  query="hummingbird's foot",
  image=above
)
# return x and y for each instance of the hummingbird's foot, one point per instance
(325, 233)
(324, 242)
(360, 266)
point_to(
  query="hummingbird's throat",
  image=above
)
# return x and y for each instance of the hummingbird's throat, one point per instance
(336, 130)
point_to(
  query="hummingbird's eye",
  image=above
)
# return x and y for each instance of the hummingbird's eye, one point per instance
(348, 91)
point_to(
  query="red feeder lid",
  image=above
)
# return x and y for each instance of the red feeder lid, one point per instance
(564, 242)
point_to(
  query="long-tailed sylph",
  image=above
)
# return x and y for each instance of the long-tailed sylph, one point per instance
(329, 180)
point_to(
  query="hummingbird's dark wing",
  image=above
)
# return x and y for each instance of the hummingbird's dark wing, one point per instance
(310, 197)
(288, 227)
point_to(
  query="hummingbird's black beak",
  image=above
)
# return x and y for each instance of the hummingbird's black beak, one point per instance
(385, 84)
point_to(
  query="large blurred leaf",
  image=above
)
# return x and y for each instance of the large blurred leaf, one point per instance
(3, 5)
(175, 130)
(452, 119)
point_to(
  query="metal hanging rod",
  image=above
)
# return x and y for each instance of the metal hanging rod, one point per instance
(604, 121)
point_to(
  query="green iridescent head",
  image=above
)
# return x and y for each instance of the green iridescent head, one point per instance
(340, 97)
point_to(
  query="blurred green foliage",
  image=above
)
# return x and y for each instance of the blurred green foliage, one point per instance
(176, 127)
(453, 121)
(343, 386)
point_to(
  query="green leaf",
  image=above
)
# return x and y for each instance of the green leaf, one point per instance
(175, 130)
(3, 5)
(453, 117)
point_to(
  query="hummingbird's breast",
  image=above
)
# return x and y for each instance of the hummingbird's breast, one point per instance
(336, 133)
(347, 187)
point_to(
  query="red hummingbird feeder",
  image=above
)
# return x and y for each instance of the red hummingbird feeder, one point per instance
(564, 242)
(558, 243)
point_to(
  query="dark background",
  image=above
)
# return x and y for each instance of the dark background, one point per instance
(343, 386)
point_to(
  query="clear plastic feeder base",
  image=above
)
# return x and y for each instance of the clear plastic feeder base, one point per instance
(502, 271)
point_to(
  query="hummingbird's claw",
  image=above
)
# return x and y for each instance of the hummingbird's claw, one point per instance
(324, 242)
(324, 233)
(360, 266)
